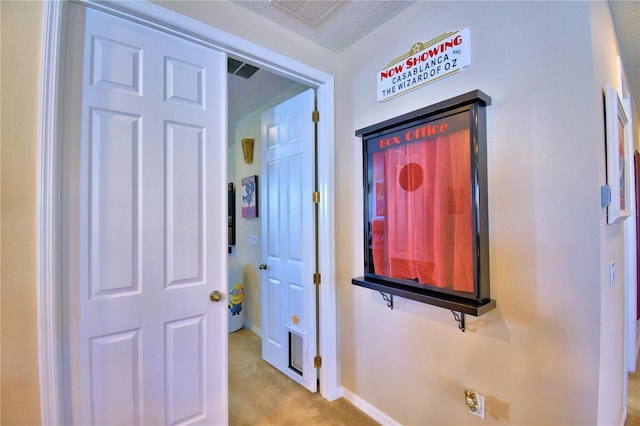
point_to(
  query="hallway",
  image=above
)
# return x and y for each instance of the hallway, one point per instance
(261, 395)
(633, 405)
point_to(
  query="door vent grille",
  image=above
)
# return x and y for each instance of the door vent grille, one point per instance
(241, 69)
(310, 11)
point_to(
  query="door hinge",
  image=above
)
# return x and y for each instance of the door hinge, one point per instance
(317, 361)
(316, 278)
(315, 116)
(316, 197)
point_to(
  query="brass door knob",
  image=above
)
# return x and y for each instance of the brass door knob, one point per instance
(262, 266)
(215, 296)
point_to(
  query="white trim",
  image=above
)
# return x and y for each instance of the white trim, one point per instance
(49, 351)
(630, 235)
(52, 406)
(367, 408)
(329, 380)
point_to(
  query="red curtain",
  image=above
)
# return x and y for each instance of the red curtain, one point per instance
(421, 224)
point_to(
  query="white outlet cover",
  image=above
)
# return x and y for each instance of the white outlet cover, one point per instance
(253, 240)
(480, 411)
(612, 274)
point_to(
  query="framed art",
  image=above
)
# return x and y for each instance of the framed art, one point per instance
(618, 157)
(250, 197)
(425, 233)
(231, 214)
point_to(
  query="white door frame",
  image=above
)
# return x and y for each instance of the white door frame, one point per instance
(630, 236)
(631, 339)
(50, 317)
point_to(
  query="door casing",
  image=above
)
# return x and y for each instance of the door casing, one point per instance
(50, 317)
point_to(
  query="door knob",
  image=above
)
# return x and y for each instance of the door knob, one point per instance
(215, 296)
(262, 266)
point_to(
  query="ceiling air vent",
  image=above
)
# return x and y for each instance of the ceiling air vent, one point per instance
(310, 11)
(240, 69)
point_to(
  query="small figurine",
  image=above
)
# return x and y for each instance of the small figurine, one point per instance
(235, 299)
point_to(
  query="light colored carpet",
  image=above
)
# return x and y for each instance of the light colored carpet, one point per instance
(633, 401)
(261, 395)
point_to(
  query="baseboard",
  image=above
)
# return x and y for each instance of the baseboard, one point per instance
(253, 328)
(367, 408)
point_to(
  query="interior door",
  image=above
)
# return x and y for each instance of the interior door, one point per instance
(288, 243)
(146, 235)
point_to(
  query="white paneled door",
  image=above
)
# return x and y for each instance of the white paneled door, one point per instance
(146, 240)
(288, 244)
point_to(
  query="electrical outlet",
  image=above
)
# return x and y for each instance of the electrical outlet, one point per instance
(480, 411)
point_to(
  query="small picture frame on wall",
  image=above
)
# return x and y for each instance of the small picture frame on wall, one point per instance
(231, 214)
(249, 190)
(618, 153)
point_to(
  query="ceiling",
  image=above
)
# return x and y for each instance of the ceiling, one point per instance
(626, 18)
(247, 95)
(342, 23)
(346, 23)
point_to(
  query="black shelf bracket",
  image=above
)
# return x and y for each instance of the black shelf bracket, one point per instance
(459, 319)
(458, 304)
(388, 299)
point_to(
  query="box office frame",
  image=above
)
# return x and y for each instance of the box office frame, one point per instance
(473, 106)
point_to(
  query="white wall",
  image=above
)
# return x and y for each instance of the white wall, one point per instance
(612, 299)
(537, 356)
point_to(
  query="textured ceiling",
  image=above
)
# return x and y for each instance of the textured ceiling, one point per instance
(246, 95)
(352, 20)
(348, 22)
(626, 18)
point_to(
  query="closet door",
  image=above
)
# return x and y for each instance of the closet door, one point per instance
(146, 244)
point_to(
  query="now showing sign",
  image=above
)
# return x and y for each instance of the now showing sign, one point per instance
(425, 63)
